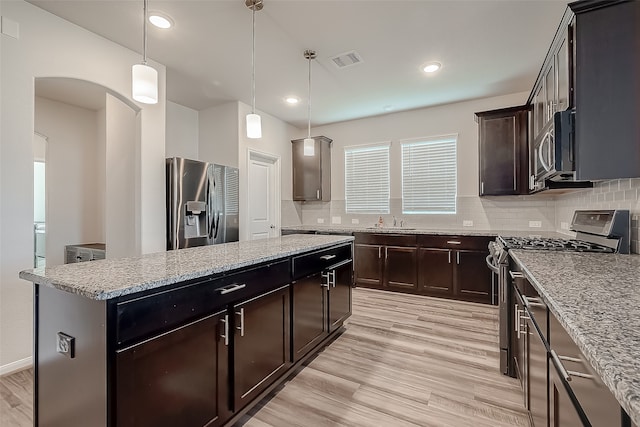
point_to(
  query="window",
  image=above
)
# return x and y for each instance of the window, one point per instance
(429, 176)
(367, 179)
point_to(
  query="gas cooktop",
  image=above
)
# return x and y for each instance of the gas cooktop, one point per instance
(553, 244)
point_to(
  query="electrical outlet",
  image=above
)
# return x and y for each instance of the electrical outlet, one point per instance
(320, 220)
(355, 221)
(467, 223)
(564, 225)
(535, 224)
(336, 220)
(66, 345)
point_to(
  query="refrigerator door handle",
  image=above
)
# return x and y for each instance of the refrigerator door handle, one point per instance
(217, 226)
(213, 232)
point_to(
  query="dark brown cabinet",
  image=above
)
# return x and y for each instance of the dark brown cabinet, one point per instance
(260, 344)
(386, 261)
(435, 272)
(607, 89)
(312, 172)
(321, 303)
(455, 267)
(172, 368)
(504, 167)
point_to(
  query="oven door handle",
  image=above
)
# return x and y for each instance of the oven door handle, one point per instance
(546, 139)
(489, 260)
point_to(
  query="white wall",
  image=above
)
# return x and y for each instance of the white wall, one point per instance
(506, 213)
(74, 202)
(52, 47)
(182, 131)
(218, 134)
(121, 159)
(276, 142)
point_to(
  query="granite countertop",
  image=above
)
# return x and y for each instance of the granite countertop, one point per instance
(596, 298)
(463, 231)
(106, 279)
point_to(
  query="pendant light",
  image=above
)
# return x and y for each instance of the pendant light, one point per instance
(144, 79)
(254, 125)
(309, 143)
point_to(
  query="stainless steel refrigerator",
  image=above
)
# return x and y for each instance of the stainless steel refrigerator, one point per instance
(202, 203)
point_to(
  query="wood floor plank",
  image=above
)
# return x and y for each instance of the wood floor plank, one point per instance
(403, 360)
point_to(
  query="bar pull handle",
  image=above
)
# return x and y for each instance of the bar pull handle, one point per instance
(231, 288)
(454, 242)
(458, 258)
(386, 253)
(318, 194)
(379, 252)
(516, 275)
(332, 278)
(241, 327)
(449, 257)
(325, 276)
(327, 257)
(226, 329)
(560, 366)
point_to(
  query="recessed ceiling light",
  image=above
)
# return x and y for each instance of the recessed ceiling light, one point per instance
(431, 67)
(160, 20)
(292, 100)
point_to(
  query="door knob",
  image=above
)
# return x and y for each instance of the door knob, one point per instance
(272, 226)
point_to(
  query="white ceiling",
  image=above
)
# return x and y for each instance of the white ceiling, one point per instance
(488, 48)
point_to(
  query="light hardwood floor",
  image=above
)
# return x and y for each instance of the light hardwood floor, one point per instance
(403, 361)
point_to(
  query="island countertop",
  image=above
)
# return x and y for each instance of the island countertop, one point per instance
(107, 279)
(595, 297)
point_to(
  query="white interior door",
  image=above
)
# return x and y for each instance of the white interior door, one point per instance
(263, 196)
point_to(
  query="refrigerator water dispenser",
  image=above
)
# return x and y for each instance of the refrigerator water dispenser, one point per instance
(195, 219)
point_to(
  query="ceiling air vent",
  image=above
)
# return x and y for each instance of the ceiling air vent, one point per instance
(346, 59)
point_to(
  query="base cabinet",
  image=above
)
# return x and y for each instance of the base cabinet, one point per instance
(435, 272)
(386, 261)
(172, 368)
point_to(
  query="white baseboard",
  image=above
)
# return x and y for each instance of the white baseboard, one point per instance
(16, 366)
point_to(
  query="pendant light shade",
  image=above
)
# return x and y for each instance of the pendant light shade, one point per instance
(254, 124)
(144, 79)
(145, 84)
(309, 144)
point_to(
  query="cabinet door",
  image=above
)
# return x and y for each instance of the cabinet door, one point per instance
(472, 277)
(538, 111)
(400, 271)
(368, 265)
(562, 410)
(503, 152)
(177, 378)
(261, 344)
(550, 92)
(309, 314)
(436, 272)
(564, 73)
(307, 179)
(340, 287)
(537, 373)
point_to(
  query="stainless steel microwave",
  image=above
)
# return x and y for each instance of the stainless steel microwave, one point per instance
(553, 151)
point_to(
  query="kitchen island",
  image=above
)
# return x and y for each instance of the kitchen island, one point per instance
(595, 297)
(188, 337)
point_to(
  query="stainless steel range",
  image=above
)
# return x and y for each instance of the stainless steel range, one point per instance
(604, 231)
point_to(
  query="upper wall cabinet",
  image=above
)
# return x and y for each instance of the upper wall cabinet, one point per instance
(312, 170)
(607, 89)
(503, 151)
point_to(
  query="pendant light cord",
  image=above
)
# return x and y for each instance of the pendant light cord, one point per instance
(144, 31)
(253, 60)
(309, 104)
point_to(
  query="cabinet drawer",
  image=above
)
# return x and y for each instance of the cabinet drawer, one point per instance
(455, 242)
(148, 315)
(314, 262)
(386, 239)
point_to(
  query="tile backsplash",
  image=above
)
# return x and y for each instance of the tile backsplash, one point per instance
(614, 194)
(496, 213)
(552, 212)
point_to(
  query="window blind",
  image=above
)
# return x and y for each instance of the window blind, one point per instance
(367, 179)
(429, 171)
